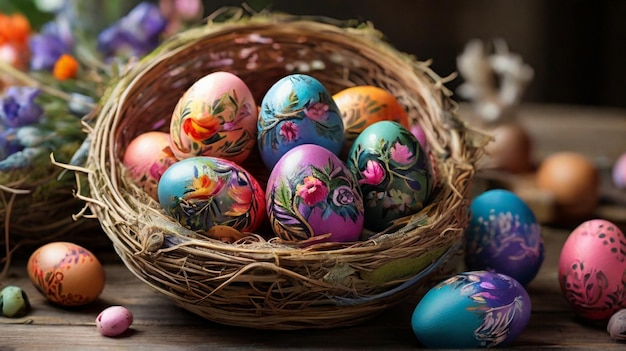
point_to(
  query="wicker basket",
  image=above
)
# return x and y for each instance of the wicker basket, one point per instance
(256, 282)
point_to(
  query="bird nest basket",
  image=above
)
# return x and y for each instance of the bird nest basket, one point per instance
(257, 281)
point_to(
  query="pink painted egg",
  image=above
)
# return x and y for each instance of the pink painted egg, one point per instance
(592, 269)
(147, 157)
(311, 195)
(114, 320)
(215, 117)
(65, 273)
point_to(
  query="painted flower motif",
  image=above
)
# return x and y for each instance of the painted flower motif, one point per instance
(289, 131)
(401, 154)
(204, 187)
(317, 111)
(18, 107)
(135, 34)
(397, 200)
(343, 196)
(242, 196)
(199, 131)
(312, 191)
(373, 173)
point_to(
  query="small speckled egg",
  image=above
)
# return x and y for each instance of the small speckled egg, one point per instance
(475, 309)
(14, 302)
(201, 192)
(393, 171)
(66, 274)
(619, 172)
(310, 193)
(503, 235)
(592, 269)
(147, 157)
(114, 320)
(297, 110)
(364, 105)
(215, 117)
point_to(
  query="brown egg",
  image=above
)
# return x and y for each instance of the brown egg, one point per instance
(510, 150)
(573, 181)
(66, 274)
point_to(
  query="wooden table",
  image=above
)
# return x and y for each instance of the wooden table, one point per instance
(160, 325)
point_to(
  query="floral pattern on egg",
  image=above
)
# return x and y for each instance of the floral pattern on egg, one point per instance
(297, 110)
(310, 192)
(215, 117)
(393, 171)
(202, 192)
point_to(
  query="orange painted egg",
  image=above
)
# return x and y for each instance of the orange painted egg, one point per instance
(364, 105)
(66, 274)
(217, 117)
(147, 157)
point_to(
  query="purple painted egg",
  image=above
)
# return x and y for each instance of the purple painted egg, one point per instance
(297, 110)
(215, 117)
(476, 309)
(504, 236)
(311, 193)
(203, 192)
(592, 269)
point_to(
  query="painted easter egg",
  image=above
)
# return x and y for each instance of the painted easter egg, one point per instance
(503, 235)
(475, 309)
(65, 273)
(364, 105)
(592, 269)
(393, 171)
(215, 117)
(297, 110)
(147, 157)
(311, 195)
(203, 192)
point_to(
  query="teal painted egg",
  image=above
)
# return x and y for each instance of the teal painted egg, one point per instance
(215, 117)
(201, 192)
(476, 309)
(393, 171)
(297, 110)
(311, 193)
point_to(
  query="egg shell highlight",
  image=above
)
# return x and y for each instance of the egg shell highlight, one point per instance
(215, 117)
(201, 192)
(592, 269)
(297, 110)
(503, 235)
(394, 173)
(66, 274)
(147, 157)
(310, 192)
(475, 309)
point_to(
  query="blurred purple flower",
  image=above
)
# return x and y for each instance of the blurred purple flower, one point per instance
(54, 40)
(137, 33)
(9, 143)
(18, 107)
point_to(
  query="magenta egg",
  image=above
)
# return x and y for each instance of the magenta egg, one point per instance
(311, 193)
(592, 269)
(114, 320)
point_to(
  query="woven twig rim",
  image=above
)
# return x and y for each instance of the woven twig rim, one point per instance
(262, 283)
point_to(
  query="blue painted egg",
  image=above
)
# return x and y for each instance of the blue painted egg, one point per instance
(393, 171)
(475, 309)
(504, 236)
(311, 193)
(297, 110)
(201, 192)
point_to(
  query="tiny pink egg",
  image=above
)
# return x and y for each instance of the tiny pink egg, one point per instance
(114, 320)
(592, 269)
(619, 172)
(147, 157)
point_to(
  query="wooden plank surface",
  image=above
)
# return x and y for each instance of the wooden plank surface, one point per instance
(160, 325)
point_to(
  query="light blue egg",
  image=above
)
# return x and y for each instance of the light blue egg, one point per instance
(298, 110)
